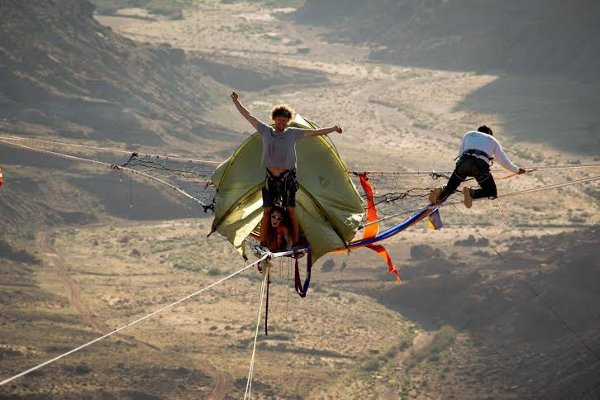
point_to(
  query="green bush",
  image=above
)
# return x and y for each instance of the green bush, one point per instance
(443, 339)
(372, 364)
(168, 8)
(404, 343)
(391, 352)
(270, 3)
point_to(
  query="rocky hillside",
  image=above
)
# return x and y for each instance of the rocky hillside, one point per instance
(63, 71)
(63, 75)
(530, 37)
(534, 309)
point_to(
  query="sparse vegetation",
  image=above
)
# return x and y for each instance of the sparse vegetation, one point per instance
(349, 337)
(372, 364)
(9, 253)
(270, 3)
(442, 340)
(168, 8)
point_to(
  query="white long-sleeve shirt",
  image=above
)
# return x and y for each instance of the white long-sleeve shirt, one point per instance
(489, 145)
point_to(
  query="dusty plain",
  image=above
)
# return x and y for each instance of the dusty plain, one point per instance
(490, 306)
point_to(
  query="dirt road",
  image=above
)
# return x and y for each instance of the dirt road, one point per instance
(62, 271)
(222, 380)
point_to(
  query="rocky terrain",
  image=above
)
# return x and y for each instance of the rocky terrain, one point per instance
(533, 37)
(501, 303)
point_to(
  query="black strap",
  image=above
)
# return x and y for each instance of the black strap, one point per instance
(475, 152)
(302, 289)
(281, 182)
(281, 177)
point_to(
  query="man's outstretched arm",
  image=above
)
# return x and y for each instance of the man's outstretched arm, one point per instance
(319, 132)
(503, 160)
(245, 113)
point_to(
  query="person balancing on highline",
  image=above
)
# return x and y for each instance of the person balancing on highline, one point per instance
(279, 160)
(477, 150)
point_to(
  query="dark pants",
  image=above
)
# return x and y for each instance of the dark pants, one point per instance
(280, 190)
(479, 169)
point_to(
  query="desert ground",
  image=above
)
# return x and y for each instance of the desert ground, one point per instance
(490, 306)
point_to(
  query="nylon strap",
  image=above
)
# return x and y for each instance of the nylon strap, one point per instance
(383, 253)
(372, 224)
(302, 289)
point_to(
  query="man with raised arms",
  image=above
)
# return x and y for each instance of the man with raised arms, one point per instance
(279, 161)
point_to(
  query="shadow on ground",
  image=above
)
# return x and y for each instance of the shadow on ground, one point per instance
(559, 113)
(535, 310)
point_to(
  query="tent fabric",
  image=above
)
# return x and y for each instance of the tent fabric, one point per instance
(328, 206)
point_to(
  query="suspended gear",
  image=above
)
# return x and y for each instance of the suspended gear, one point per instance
(469, 165)
(329, 209)
(394, 201)
(280, 190)
(372, 227)
(434, 220)
(478, 154)
(400, 199)
(302, 288)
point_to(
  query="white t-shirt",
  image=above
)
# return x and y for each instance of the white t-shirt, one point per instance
(474, 140)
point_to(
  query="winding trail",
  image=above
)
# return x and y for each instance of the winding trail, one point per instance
(61, 269)
(223, 382)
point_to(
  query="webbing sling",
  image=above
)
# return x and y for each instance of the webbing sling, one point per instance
(267, 302)
(372, 226)
(302, 289)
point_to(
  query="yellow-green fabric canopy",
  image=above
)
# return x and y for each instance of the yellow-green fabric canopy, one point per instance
(328, 206)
